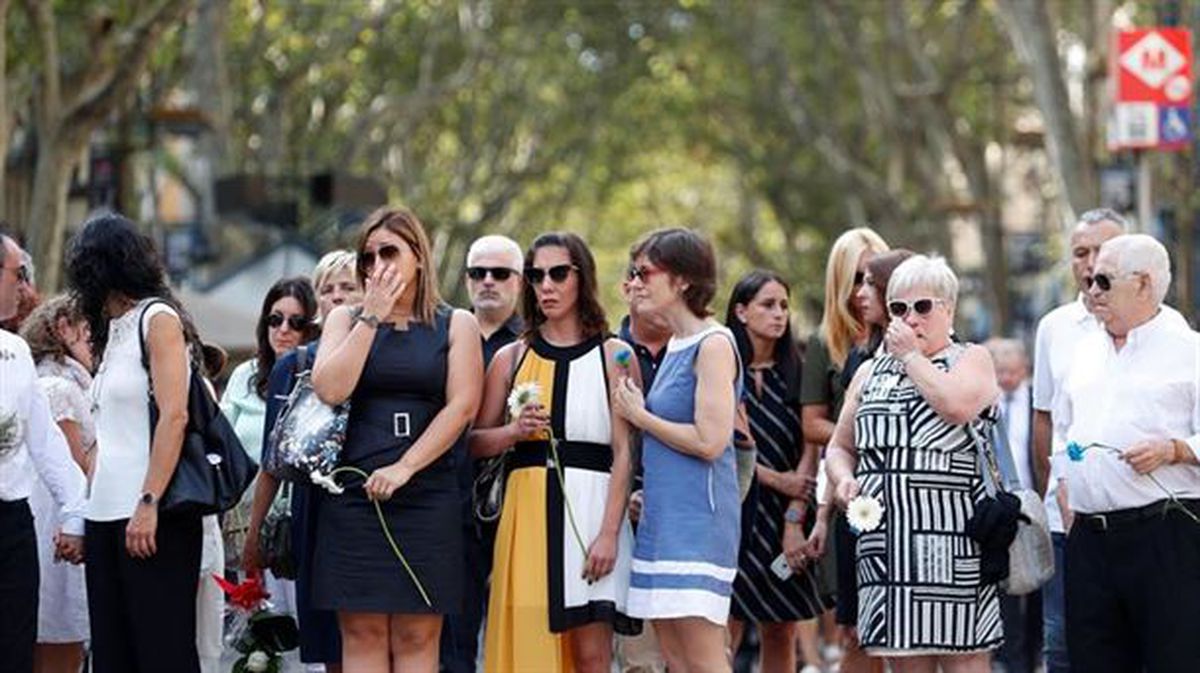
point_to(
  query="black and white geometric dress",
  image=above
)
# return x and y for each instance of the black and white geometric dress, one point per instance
(919, 584)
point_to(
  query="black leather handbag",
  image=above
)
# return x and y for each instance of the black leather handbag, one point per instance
(275, 539)
(214, 469)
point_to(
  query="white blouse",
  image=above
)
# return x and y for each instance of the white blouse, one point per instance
(120, 395)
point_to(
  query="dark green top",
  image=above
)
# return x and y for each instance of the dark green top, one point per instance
(821, 381)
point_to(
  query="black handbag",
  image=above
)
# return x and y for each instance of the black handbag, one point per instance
(275, 539)
(214, 469)
(487, 491)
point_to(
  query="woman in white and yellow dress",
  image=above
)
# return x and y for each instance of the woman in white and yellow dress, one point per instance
(562, 555)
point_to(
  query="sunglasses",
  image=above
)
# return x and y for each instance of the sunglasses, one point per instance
(899, 309)
(859, 277)
(641, 273)
(366, 258)
(297, 322)
(558, 273)
(1103, 281)
(500, 273)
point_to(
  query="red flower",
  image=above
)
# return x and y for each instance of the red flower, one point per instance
(248, 595)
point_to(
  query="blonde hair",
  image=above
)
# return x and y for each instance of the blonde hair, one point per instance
(332, 263)
(40, 329)
(839, 323)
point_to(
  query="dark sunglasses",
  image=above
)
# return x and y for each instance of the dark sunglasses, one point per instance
(298, 323)
(899, 309)
(642, 273)
(366, 259)
(859, 277)
(500, 273)
(1103, 281)
(558, 274)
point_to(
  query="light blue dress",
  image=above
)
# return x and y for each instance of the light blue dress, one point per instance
(685, 558)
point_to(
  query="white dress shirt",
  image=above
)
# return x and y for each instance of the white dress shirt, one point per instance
(42, 446)
(1014, 411)
(1059, 333)
(1147, 390)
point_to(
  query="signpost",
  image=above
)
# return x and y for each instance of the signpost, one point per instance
(1151, 72)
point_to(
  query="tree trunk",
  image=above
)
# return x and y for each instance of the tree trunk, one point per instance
(47, 224)
(1032, 33)
(3, 104)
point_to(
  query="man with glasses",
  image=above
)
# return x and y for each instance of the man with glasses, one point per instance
(1058, 334)
(1131, 407)
(494, 283)
(27, 294)
(29, 440)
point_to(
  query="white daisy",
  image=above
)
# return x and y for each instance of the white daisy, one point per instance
(522, 396)
(864, 514)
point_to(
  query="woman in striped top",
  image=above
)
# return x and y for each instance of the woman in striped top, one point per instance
(685, 558)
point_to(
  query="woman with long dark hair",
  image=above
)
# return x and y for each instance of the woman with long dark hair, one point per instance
(562, 554)
(412, 369)
(141, 567)
(758, 315)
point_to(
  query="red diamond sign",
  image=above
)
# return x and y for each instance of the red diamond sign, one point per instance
(1154, 65)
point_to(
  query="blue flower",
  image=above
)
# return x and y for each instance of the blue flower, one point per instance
(1075, 451)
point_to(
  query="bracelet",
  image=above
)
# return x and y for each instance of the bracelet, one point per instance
(368, 320)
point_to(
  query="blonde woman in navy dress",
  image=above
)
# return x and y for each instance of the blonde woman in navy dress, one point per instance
(685, 557)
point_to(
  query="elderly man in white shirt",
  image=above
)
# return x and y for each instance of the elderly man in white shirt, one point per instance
(29, 440)
(1131, 405)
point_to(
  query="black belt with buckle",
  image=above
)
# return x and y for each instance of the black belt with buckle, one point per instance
(1116, 519)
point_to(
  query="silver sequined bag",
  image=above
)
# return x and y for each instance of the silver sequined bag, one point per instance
(308, 435)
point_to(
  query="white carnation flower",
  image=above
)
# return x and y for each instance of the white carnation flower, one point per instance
(864, 514)
(326, 482)
(258, 661)
(522, 396)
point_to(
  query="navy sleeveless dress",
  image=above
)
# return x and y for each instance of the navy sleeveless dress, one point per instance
(402, 388)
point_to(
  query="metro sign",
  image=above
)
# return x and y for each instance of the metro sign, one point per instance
(1154, 66)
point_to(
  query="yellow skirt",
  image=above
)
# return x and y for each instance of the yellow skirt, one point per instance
(518, 638)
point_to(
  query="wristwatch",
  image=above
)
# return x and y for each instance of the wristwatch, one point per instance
(148, 499)
(793, 516)
(368, 320)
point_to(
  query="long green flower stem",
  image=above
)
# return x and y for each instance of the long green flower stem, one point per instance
(562, 483)
(386, 532)
(1171, 497)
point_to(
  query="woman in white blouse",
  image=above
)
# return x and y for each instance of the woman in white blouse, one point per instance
(58, 339)
(141, 565)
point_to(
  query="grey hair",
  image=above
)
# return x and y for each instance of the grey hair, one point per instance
(925, 271)
(1098, 215)
(1141, 253)
(497, 244)
(331, 263)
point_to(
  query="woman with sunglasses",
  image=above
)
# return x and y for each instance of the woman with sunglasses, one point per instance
(904, 439)
(336, 285)
(284, 322)
(685, 560)
(563, 547)
(411, 368)
(834, 352)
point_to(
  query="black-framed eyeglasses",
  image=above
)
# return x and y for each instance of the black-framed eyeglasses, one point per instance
(298, 323)
(366, 258)
(640, 273)
(899, 309)
(1104, 281)
(558, 273)
(500, 273)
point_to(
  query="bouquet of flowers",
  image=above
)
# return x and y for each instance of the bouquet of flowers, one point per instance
(259, 635)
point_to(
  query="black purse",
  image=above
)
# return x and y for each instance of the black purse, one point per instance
(214, 469)
(487, 491)
(275, 540)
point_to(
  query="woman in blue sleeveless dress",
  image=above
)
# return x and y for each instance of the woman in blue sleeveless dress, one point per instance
(685, 556)
(412, 369)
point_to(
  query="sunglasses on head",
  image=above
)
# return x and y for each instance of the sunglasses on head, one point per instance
(899, 309)
(500, 273)
(641, 273)
(366, 258)
(297, 322)
(557, 273)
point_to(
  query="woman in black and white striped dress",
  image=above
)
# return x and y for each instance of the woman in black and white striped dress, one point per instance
(902, 440)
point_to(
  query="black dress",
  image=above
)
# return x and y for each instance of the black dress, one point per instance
(402, 388)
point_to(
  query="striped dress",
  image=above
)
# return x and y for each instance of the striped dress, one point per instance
(685, 559)
(758, 593)
(919, 583)
(537, 591)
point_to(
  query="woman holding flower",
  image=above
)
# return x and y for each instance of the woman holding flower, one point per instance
(902, 441)
(562, 555)
(410, 367)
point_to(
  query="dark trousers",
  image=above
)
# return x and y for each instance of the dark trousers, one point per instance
(1022, 617)
(460, 633)
(18, 587)
(1133, 595)
(143, 611)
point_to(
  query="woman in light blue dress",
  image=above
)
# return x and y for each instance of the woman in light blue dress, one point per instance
(685, 557)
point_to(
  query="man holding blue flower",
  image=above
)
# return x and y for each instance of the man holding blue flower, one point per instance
(1131, 403)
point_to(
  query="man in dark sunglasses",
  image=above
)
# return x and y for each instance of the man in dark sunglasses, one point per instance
(1131, 406)
(493, 276)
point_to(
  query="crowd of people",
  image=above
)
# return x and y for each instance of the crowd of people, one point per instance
(543, 490)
